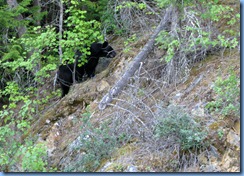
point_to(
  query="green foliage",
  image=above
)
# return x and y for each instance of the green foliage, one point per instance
(26, 54)
(181, 3)
(128, 41)
(227, 43)
(15, 53)
(7, 16)
(98, 144)
(169, 43)
(18, 59)
(10, 15)
(34, 158)
(175, 124)
(8, 141)
(220, 133)
(35, 42)
(129, 4)
(108, 22)
(216, 11)
(95, 9)
(163, 3)
(95, 145)
(80, 34)
(227, 101)
(193, 36)
(9, 146)
(115, 17)
(14, 124)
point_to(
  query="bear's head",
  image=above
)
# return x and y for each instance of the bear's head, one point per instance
(107, 50)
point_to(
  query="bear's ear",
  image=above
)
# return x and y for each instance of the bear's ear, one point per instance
(105, 44)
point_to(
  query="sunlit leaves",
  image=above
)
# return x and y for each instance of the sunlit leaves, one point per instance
(80, 34)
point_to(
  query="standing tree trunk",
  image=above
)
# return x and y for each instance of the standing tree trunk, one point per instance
(37, 4)
(136, 62)
(21, 29)
(60, 33)
(61, 13)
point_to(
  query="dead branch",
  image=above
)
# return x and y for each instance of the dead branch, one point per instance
(193, 85)
(136, 62)
(151, 9)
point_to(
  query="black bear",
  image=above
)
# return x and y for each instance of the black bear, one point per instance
(65, 72)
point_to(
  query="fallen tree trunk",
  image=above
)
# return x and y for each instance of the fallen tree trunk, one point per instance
(116, 89)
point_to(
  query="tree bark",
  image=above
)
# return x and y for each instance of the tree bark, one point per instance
(37, 4)
(13, 4)
(61, 7)
(60, 33)
(136, 62)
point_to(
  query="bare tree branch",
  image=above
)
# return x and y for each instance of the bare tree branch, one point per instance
(136, 62)
(151, 9)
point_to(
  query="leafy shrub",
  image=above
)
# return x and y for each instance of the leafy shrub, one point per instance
(13, 125)
(168, 43)
(95, 9)
(227, 101)
(7, 151)
(192, 35)
(175, 124)
(35, 158)
(79, 33)
(93, 146)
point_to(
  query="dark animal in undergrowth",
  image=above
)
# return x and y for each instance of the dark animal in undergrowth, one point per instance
(65, 72)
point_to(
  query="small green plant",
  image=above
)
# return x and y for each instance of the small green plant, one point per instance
(168, 43)
(227, 101)
(34, 158)
(128, 41)
(7, 151)
(127, 4)
(220, 133)
(174, 123)
(96, 144)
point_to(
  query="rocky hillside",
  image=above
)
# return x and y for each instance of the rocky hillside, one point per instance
(128, 141)
(179, 112)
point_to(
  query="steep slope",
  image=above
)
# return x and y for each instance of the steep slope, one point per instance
(223, 154)
(59, 128)
(162, 121)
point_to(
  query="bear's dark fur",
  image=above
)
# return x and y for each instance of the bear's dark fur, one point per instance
(97, 50)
